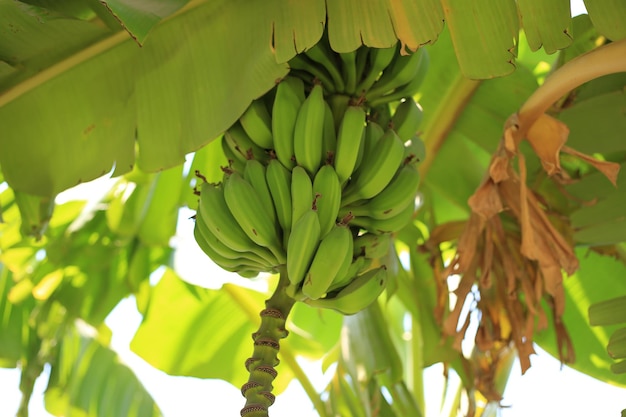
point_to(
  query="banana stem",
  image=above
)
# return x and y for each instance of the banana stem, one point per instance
(607, 59)
(29, 375)
(417, 355)
(444, 116)
(258, 389)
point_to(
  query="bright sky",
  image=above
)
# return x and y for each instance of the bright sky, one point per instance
(544, 390)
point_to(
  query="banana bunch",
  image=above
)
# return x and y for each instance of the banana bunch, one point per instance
(314, 186)
(376, 75)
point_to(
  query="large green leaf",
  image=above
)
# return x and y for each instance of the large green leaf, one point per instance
(599, 278)
(79, 138)
(546, 23)
(608, 17)
(312, 332)
(139, 17)
(88, 380)
(16, 336)
(191, 331)
(486, 29)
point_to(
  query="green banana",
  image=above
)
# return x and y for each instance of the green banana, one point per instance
(302, 244)
(398, 194)
(414, 150)
(327, 59)
(240, 142)
(309, 130)
(306, 67)
(301, 193)
(358, 265)
(388, 225)
(373, 131)
(214, 212)
(227, 264)
(327, 188)
(406, 119)
(410, 89)
(357, 295)
(378, 60)
(349, 71)
(329, 136)
(243, 202)
(279, 182)
(236, 161)
(254, 172)
(401, 71)
(225, 256)
(248, 273)
(362, 55)
(377, 169)
(349, 142)
(372, 246)
(332, 258)
(289, 98)
(381, 115)
(257, 123)
(338, 104)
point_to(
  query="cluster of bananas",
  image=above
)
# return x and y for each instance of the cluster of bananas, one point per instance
(378, 75)
(314, 190)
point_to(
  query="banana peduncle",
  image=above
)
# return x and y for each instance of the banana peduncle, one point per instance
(261, 366)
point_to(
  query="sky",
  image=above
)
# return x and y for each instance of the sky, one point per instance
(546, 389)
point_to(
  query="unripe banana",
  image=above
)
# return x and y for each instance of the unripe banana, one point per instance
(349, 70)
(257, 123)
(376, 170)
(302, 244)
(327, 188)
(224, 256)
(214, 212)
(329, 145)
(236, 161)
(322, 54)
(398, 194)
(372, 246)
(227, 264)
(332, 259)
(338, 104)
(406, 119)
(279, 182)
(289, 98)
(414, 151)
(309, 131)
(407, 90)
(388, 225)
(254, 173)
(248, 273)
(349, 141)
(301, 193)
(357, 295)
(240, 142)
(401, 71)
(305, 67)
(378, 59)
(373, 131)
(244, 202)
(358, 265)
(362, 55)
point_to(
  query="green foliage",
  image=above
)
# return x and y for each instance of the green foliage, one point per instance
(79, 98)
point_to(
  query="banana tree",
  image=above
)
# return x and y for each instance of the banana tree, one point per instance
(520, 212)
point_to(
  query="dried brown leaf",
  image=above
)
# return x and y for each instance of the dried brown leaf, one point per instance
(486, 200)
(547, 136)
(609, 169)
